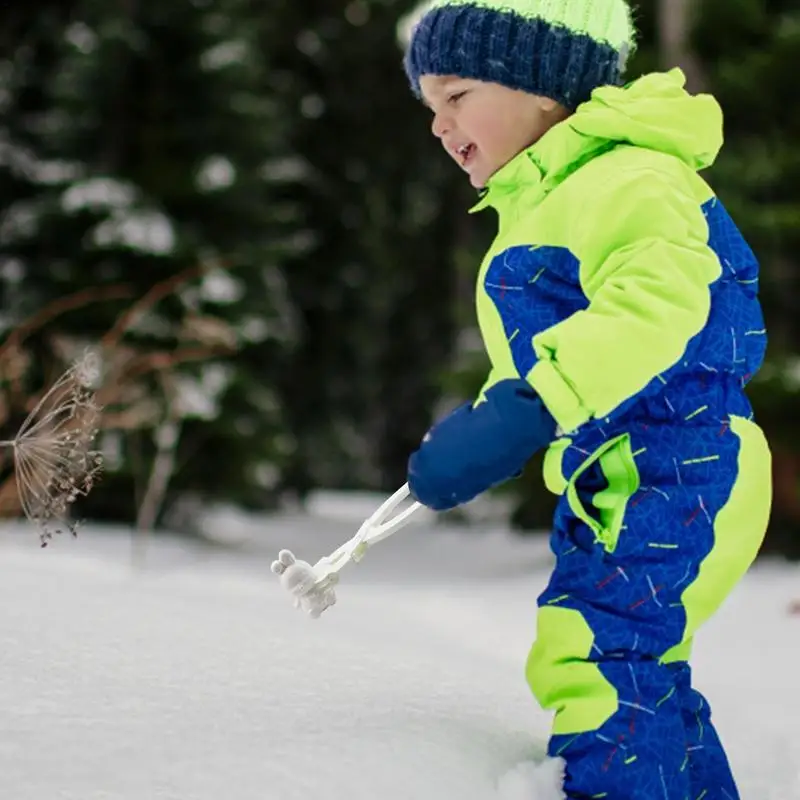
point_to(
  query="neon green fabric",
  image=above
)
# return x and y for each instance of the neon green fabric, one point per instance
(739, 530)
(619, 469)
(608, 22)
(632, 217)
(561, 676)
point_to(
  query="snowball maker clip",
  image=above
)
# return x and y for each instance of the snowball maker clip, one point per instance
(313, 587)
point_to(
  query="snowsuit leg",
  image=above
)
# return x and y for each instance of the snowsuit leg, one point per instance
(679, 517)
(710, 776)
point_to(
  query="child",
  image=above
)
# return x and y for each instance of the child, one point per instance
(618, 305)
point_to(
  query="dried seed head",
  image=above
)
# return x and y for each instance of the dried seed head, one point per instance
(87, 371)
(53, 456)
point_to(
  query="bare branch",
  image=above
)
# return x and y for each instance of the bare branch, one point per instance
(156, 293)
(61, 306)
(158, 361)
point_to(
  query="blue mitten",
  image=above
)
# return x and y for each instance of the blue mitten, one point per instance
(473, 449)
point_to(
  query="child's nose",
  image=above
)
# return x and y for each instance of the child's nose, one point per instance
(440, 125)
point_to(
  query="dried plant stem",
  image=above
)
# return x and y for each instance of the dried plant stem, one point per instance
(108, 394)
(167, 437)
(31, 488)
(53, 457)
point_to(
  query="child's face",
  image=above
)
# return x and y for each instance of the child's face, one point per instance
(484, 125)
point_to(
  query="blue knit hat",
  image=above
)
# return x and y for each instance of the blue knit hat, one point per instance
(561, 49)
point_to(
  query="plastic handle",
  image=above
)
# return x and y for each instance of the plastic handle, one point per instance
(374, 529)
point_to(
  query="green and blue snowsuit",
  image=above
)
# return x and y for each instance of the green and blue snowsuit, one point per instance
(621, 289)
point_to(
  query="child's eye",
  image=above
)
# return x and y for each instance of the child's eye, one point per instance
(454, 98)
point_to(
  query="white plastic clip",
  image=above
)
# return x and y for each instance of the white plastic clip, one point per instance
(312, 587)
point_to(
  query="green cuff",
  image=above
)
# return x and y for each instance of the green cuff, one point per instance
(558, 396)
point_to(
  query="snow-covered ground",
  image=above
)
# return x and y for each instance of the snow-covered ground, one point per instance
(193, 678)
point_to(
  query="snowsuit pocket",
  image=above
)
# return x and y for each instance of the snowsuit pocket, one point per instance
(614, 461)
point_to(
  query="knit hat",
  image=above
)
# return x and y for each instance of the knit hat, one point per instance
(561, 49)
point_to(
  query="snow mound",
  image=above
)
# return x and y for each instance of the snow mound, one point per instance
(533, 781)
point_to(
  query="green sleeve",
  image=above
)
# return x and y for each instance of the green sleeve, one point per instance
(646, 269)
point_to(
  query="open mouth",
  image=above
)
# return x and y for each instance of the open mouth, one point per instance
(465, 154)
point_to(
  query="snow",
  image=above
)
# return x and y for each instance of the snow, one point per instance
(286, 170)
(200, 396)
(312, 106)
(791, 373)
(216, 172)
(23, 162)
(309, 43)
(82, 37)
(20, 220)
(224, 55)
(254, 329)
(146, 230)
(12, 270)
(219, 286)
(193, 677)
(98, 194)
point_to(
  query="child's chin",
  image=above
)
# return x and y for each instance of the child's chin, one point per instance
(477, 181)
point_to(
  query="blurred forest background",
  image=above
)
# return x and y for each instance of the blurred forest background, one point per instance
(241, 204)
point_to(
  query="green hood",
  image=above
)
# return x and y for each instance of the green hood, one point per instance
(654, 112)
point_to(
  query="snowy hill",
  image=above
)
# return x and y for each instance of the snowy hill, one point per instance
(193, 678)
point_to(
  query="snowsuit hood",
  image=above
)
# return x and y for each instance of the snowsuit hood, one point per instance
(654, 112)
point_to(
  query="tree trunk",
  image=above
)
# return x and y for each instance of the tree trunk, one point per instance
(675, 19)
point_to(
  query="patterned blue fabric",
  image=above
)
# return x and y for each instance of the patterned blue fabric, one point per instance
(496, 46)
(660, 744)
(631, 600)
(533, 288)
(705, 756)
